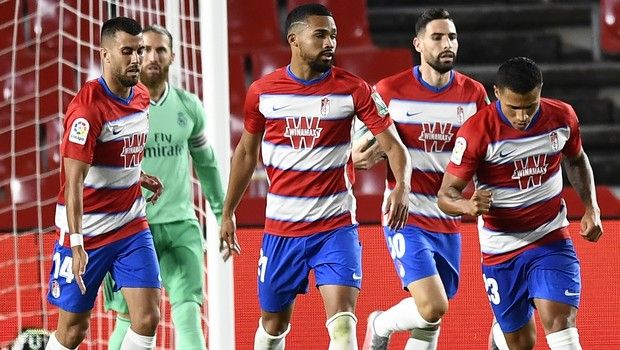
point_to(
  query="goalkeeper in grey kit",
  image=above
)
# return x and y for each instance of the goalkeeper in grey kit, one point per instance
(176, 130)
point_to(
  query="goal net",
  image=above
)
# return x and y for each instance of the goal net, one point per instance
(48, 49)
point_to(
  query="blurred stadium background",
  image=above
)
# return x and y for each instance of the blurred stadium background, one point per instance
(48, 49)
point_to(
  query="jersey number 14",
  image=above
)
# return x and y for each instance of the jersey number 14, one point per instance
(64, 269)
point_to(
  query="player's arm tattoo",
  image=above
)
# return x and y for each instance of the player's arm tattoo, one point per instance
(581, 177)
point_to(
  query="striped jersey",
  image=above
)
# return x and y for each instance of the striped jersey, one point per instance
(306, 146)
(109, 133)
(523, 171)
(427, 119)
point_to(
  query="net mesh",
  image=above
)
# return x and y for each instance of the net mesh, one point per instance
(48, 49)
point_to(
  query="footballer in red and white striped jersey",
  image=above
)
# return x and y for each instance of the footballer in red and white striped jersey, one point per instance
(522, 169)
(109, 133)
(306, 146)
(427, 119)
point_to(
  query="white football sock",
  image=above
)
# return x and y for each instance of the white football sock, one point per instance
(403, 316)
(341, 329)
(498, 336)
(423, 339)
(54, 344)
(266, 341)
(135, 341)
(567, 339)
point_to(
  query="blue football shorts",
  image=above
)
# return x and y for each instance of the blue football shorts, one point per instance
(419, 253)
(285, 262)
(549, 272)
(132, 262)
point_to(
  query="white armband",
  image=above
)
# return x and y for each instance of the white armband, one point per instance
(76, 239)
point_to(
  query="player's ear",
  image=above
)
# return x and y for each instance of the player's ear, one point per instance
(416, 43)
(496, 91)
(104, 54)
(171, 57)
(291, 38)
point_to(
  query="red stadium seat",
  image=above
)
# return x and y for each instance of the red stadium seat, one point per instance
(27, 198)
(25, 135)
(24, 196)
(370, 63)
(25, 165)
(236, 78)
(253, 24)
(25, 149)
(50, 152)
(5, 165)
(266, 61)
(46, 82)
(373, 64)
(8, 25)
(610, 26)
(24, 60)
(7, 11)
(351, 20)
(50, 12)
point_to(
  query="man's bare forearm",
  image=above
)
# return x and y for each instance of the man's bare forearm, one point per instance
(74, 205)
(452, 202)
(400, 164)
(243, 165)
(581, 177)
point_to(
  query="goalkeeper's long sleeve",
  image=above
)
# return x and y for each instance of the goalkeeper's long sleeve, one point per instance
(208, 174)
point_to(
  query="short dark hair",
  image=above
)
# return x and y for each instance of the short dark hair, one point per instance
(302, 12)
(156, 28)
(120, 24)
(428, 16)
(519, 74)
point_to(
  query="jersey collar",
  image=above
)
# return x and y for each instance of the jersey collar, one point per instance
(307, 82)
(503, 117)
(418, 76)
(115, 97)
(162, 98)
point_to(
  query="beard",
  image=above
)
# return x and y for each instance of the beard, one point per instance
(316, 63)
(441, 67)
(320, 66)
(126, 80)
(152, 80)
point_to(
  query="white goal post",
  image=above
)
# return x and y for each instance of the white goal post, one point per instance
(48, 49)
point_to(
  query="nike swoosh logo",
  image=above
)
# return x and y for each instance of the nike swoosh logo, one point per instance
(570, 294)
(116, 131)
(278, 108)
(409, 114)
(357, 277)
(506, 154)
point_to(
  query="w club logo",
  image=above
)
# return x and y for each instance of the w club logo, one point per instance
(529, 171)
(435, 136)
(302, 131)
(133, 149)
